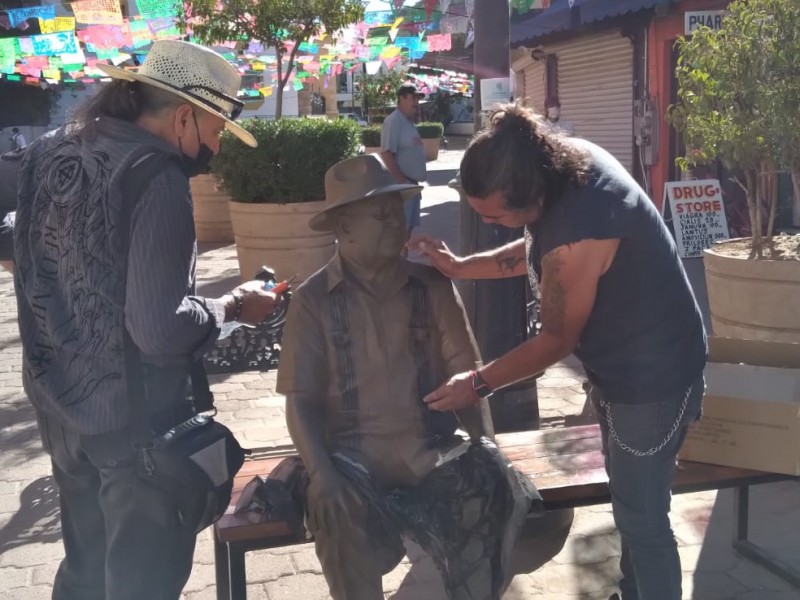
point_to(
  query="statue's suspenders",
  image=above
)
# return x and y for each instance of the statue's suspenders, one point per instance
(437, 424)
(345, 366)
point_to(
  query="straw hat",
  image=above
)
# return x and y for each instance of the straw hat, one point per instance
(357, 179)
(197, 74)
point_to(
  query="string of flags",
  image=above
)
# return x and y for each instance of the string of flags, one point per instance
(61, 45)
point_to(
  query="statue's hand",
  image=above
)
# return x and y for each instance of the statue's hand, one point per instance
(332, 501)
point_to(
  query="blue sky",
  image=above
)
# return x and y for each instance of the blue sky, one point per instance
(376, 5)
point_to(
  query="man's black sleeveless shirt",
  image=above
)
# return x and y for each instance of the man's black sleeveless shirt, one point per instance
(644, 341)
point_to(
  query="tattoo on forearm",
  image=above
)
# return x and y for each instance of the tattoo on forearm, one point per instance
(554, 295)
(507, 264)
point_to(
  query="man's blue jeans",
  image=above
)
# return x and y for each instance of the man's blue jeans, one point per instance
(640, 444)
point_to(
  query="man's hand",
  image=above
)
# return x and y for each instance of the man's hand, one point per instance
(456, 394)
(332, 500)
(438, 253)
(257, 303)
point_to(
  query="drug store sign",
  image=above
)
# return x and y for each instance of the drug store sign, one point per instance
(698, 214)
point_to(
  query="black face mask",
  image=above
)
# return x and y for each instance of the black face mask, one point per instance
(201, 163)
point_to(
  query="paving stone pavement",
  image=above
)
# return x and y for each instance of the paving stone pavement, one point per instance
(554, 564)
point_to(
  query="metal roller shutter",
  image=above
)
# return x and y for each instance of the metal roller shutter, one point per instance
(595, 87)
(535, 86)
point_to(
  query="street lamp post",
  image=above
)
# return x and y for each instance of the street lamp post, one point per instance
(497, 308)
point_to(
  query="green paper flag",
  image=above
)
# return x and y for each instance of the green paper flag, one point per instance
(8, 52)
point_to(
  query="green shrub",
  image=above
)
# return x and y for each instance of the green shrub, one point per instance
(377, 119)
(430, 130)
(290, 162)
(371, 136)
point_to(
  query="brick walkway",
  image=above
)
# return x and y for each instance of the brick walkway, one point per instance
(551, 565)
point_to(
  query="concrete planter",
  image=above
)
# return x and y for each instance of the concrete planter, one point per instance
(212, 221)
(278, 236)
(431, 146)
(752, 299)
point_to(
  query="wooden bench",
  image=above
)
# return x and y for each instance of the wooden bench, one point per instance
(565, 464)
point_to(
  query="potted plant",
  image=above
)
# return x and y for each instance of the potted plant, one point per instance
(732, 106)
(371, 139)
(278, 186)
(212, 219)
(431, 134)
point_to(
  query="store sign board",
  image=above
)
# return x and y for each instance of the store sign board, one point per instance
(698, 214)
(699, 18)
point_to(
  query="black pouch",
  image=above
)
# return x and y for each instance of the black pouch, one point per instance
(194, 463)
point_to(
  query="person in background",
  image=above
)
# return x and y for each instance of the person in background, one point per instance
(86, 273)
(17, 139)
(402, 150)
(613, 292)
(554, 120)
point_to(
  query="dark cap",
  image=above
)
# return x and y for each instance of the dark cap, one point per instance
(407, 89)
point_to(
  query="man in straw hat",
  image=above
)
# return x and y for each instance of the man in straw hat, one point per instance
(86, 271)
(366, 338)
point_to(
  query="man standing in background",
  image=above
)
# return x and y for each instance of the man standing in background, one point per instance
(402, 150)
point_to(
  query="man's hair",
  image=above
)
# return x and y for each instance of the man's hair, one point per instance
(123, 100)
(518, 156)
(15, 130)
(407, 89)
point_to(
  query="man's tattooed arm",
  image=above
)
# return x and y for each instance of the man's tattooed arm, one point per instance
(510, 261)
(554, 293)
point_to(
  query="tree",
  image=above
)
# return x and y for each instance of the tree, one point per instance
(274, 23)
(738, 101)
(782, 94)
(380, 90)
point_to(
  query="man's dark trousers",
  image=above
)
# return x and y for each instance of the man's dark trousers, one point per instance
(123, 539)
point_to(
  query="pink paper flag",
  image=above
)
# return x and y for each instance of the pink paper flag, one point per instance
(439, 43)
(107, 37)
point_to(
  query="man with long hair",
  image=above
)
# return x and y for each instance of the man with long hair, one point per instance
(104, 248)
(613, 292)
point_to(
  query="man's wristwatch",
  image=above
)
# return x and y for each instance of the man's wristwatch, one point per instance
(238, 303)
(479, 385)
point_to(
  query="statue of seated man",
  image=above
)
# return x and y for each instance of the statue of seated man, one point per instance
(366, 338)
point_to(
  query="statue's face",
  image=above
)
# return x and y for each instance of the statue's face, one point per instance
(373, 228)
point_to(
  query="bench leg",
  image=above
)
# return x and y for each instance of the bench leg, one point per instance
(743, 545)
(238, 577)
(222, 568)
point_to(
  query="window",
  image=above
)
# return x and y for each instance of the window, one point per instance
(551, 81)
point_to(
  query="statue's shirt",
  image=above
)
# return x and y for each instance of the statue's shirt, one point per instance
(380, 417)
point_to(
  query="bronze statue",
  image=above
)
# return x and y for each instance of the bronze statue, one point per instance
(367, 337)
